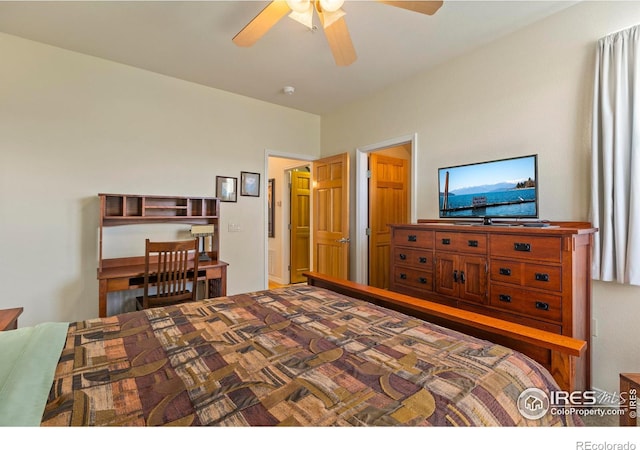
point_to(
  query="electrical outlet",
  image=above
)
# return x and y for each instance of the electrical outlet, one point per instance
(234, 227)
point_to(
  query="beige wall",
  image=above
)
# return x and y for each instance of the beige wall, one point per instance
(529, 92)
(72, 126)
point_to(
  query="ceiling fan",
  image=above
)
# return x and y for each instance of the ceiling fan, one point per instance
(331, 17)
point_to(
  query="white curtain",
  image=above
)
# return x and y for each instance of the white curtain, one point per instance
(616, 158)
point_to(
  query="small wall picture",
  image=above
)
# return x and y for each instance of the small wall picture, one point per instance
(250, 184)
(227, 189)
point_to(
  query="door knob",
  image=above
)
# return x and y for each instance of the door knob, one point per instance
(343, 240)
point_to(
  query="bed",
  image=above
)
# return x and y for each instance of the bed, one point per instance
(303, 355)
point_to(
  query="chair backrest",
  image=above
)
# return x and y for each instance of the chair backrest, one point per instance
(170, 266)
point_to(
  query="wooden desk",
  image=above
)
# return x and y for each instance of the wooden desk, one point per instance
(630, 384)
(121, 274)
(9, 318)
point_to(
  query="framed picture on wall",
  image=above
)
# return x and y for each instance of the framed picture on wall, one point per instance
(271, 202)
(227, 189)
(250, 184)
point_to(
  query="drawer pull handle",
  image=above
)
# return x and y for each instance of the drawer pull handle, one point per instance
(412, 238)
(542, 305)
(402, 256)
(542, 277)
(472, 243)
(522, 247)
(446, 241)
(462, 276)
(422, 260)
(403, 276)
(504, 298)
(455, 276)
(505, 271)
(422, 280)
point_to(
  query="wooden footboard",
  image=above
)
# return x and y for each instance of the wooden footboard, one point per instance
(555, 352)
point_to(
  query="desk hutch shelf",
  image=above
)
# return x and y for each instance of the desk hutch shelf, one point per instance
(127, 209)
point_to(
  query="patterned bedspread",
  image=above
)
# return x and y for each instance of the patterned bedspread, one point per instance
(299, 356)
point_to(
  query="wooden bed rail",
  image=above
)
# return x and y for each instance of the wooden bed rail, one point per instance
(556, 352)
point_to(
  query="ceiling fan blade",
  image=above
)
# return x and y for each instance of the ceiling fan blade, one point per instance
(423, 7)
(262, 23)
(340, 42)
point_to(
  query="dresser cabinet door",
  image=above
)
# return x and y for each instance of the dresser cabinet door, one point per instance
(447, 274)
(473, 278)
(462, 276)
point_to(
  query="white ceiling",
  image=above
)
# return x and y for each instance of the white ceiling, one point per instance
(192, 41)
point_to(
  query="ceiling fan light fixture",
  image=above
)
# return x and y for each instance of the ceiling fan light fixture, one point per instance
(331, 5)
(299, 6)
(305, 18)
(331, 17)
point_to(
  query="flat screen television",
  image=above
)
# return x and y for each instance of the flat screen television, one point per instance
(499, 189)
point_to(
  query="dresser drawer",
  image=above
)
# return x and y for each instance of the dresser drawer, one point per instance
(532, 303)
(413, 278)
(543, 277)
(535, 248)
(506, 271)
(414, 257)
(413, 237)
(461, 242)
(526, 274)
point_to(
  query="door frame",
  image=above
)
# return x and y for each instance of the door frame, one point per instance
(361, 248)
(303, 159)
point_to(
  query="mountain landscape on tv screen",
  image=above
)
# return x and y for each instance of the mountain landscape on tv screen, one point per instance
(503, 186)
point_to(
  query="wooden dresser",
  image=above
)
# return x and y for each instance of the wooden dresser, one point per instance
(538, 277)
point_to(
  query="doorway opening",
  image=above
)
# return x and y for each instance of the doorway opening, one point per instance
(288, 244)
(385, 193)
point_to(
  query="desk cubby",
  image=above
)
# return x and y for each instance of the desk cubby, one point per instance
(117, 207)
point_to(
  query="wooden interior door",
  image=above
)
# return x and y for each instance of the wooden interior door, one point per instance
(331, 239)
(300, 245)
(388, 203)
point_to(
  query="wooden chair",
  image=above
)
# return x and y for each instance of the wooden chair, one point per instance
(169, 267)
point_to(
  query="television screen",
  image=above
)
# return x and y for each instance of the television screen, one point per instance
(505, 188)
